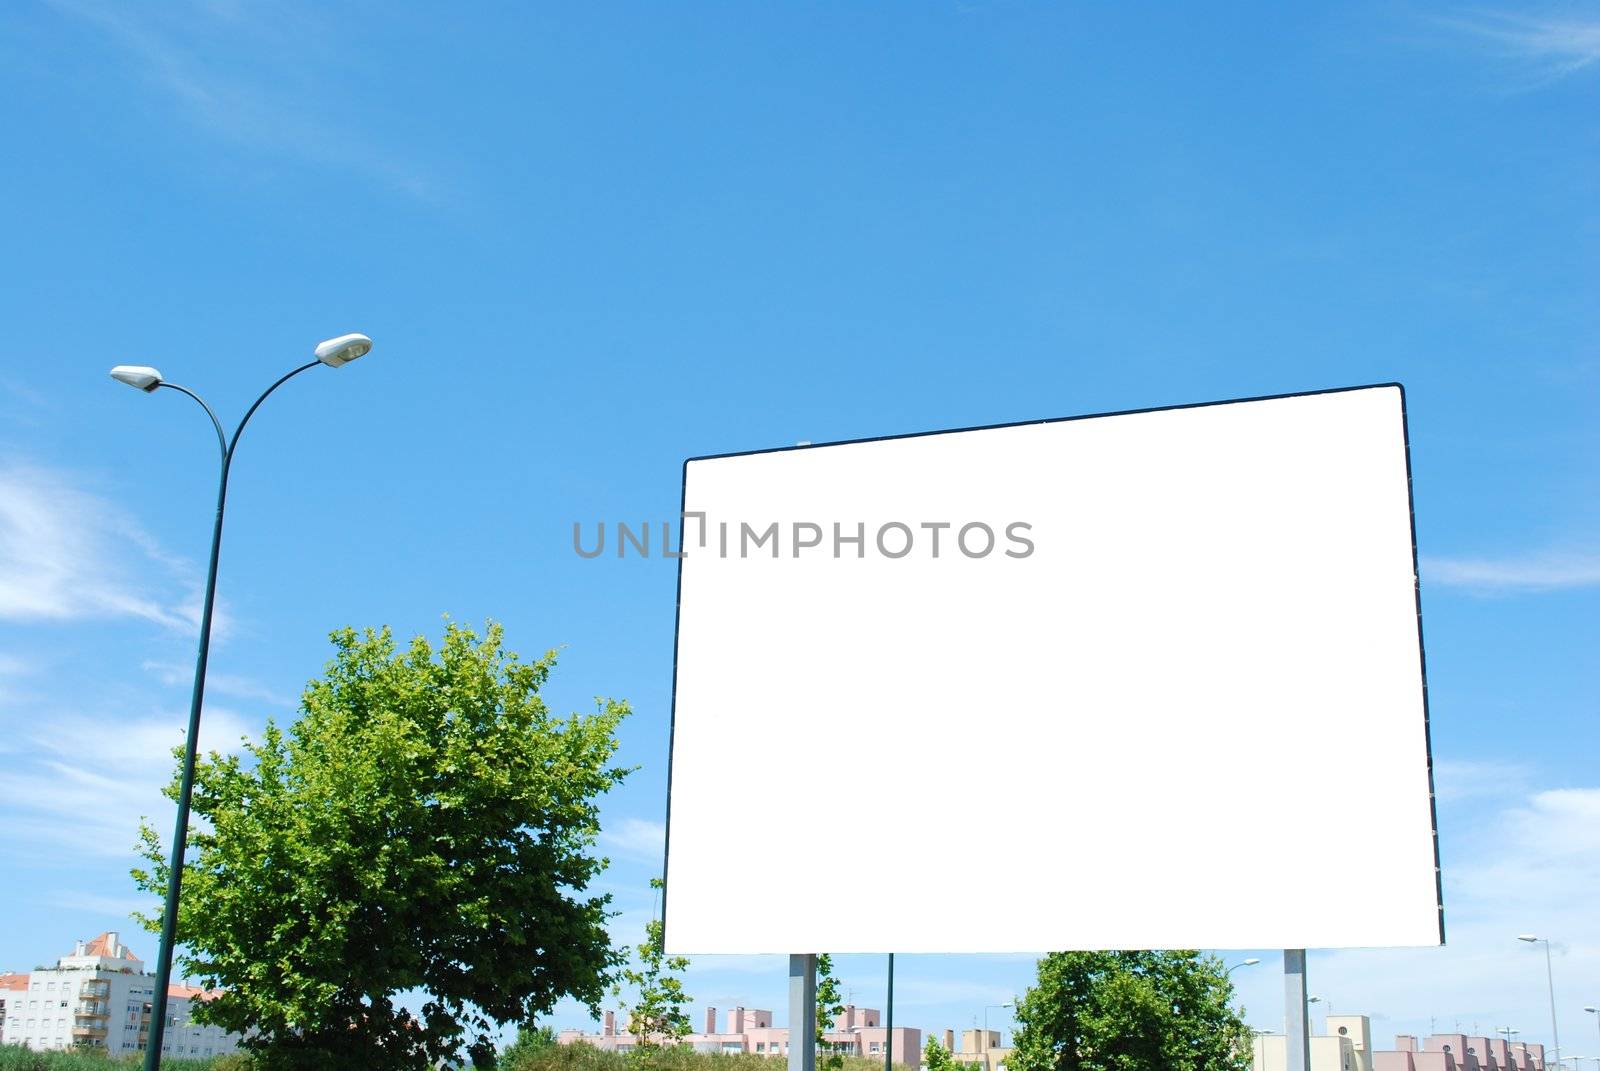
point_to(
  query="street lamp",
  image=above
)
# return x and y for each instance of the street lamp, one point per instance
(1251, 962)
(986, 1008)
(1595, 1011)
(1550, 980)
(335, 352)
(1327, 1010)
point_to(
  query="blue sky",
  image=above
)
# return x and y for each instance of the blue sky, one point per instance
(593, 241)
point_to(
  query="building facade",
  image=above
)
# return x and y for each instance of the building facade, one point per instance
(978, 1048)
(1348, 1046)
(859, 1032)
(98, 996)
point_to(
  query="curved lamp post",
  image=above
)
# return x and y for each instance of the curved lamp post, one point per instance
(1251, 962)
(1550, 980)
(334, 353)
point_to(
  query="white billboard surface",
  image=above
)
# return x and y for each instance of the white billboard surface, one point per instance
(1176, 701)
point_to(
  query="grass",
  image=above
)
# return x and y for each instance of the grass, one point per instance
(17, 1058)
(554, 1058)
(674, 1058)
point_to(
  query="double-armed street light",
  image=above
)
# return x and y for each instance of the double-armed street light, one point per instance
(1550, 980)
(335, 353)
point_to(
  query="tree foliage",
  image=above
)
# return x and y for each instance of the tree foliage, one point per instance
(1130, 1011)
(829, 1008)
(522, 1054)
(425, 827)
(657, 1014)
(935, 1057)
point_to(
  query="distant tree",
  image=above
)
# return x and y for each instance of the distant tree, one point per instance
(1130, 1011)
(937, 1058)
(657, 1014)
(425, 827)
(530, 1042)
(829, 1008)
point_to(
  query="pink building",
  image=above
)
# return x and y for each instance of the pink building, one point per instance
(1348, 1046)
(859, 1032)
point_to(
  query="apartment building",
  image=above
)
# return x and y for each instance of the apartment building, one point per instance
(857, 1032)
(98, 996)
(977, 1047)
(1348, 1046)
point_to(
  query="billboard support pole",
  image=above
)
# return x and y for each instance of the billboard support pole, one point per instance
(1296, 1023)
(803, 1011)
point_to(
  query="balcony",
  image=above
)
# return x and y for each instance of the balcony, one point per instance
(96, 990)
(91, 1009)
(79, 1030)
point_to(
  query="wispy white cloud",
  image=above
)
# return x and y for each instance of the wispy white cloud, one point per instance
(1469, 779)
(13, 668)
(81, 784)
(238, 687)
(635, 838)
(105, 907)
(1542, 571)
(256, 77)
(1542, 47)
(66, 554)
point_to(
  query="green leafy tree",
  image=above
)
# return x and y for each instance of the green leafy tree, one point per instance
(531, 1042)
(829, 1007)
(937, 1057)
(657, 1014)
(425, 828)
(1130, 1011)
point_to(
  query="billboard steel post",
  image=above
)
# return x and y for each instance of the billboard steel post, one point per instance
(803, 1011)
(1297, 1023)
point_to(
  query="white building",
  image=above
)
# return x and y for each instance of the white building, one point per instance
(98, 996)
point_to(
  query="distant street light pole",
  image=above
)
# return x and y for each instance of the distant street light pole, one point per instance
(986, 1008)
(334, 353)
(1327, 1011)
(1595, 1011)
(1550, 980)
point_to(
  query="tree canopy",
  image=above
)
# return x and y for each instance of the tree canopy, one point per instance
(1130, 1011)
(425, 829)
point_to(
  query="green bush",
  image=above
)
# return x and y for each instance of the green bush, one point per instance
(17, 1058)
(667, 1058)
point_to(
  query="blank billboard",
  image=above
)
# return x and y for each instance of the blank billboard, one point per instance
(1141, 680)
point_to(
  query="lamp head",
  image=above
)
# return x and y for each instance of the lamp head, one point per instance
(342, 350)
(142, 376)
(1530, 937)
(1592, 1011)
(1251, 962)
